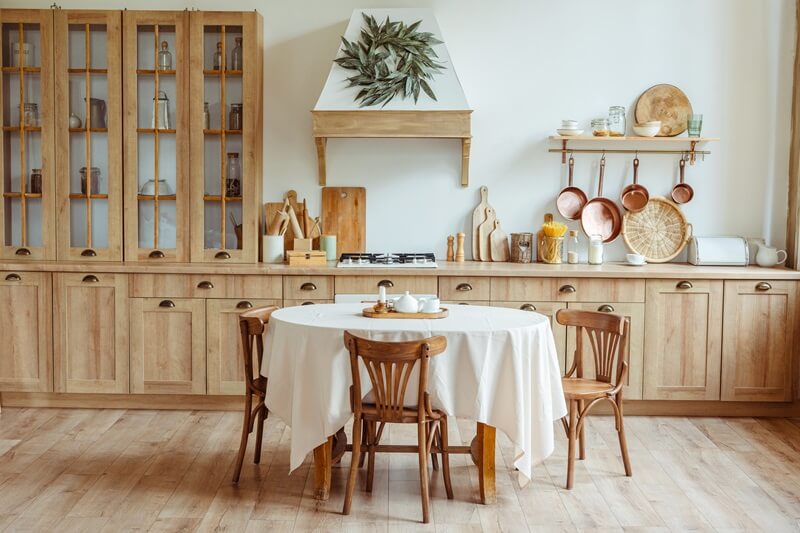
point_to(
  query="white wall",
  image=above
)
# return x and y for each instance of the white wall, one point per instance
(524, 65)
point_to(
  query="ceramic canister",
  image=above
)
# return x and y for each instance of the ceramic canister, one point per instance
(273, 248)
(327, 243)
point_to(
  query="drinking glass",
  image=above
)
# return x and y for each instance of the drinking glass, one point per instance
(694, 124)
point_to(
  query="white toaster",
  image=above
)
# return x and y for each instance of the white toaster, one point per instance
(718, 251)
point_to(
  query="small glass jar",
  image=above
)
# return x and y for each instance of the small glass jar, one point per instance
(94, 184)
(596, 250)
(236, 55)
(219, 61)
(36, 181)
(616, 121)
(573, 245)
(233, 178)
(206, 117)
(600, 127)
(235, 117)
(29, 114)
(552, 249)
(164, 57)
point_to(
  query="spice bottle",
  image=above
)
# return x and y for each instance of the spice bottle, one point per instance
(219, 60)
(572, 247)
(236, 55)
(164, 57)
(36, 181)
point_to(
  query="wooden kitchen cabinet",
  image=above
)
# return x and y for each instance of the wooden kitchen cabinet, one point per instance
(91, 333)
(632, 390)
(683, 339)
(168, 345)
(224, 344)
(25, 323)
(758, 335)
(548, 309)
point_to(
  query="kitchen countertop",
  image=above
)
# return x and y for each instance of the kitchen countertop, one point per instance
(467, 268)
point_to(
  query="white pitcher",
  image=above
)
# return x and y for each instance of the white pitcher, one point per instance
(767, 256)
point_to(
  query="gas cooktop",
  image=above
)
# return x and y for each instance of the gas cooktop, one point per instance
(387, 260)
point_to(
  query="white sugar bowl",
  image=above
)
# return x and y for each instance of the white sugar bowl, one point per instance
(406, 304)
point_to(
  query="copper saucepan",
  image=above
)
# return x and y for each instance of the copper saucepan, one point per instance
(600, 215)
(634, 197)
(571, 199)
(682, 193)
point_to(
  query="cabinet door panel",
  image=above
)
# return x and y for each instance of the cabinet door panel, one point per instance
(225, 365)
(757, 340)
(91, 332)
(683, 337)
(168, 343)
(25, 323)
(635, 311)
(548, 309)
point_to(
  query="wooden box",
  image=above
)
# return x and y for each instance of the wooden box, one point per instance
(310, 258)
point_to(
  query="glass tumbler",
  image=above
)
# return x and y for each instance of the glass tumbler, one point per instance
(694, 124)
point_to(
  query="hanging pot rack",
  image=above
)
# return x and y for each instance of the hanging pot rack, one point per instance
(691, 153)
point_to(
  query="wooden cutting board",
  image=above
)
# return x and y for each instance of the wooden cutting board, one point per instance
(483, 235)
(666, 103)
(344, 214)
(478, 217)
(498, 243)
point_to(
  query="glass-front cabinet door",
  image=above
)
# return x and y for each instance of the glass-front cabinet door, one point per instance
(156, 118)
(88, 78)
(27, 157)
(226, 101)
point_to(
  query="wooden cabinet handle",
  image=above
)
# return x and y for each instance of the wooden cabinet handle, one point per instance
(307, 303)
(605, 308)
(567, 289)
(205, 285)
(91, 278)
(386, 283)
(763, 286)
(308, 286)
(244, 304)
(23, 251)
(156, 254)
(88, 253)
(167, 303)
(684, 285)
(527, 307)
(13, 277)
(463, 287)
(222, 255)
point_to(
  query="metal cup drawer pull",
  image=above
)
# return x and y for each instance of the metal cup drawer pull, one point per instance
(307, 303)
(308, 286)
(567, 289)
(23, 251)
(91, 278)
(156, 254)
(605, 308)
(684, 285)
(527, 307)
(222, 255)
(167, 303)
(763, 286)
(244, 304)
(88, 253)
(13, 277)
(463, 287)
(205, 285)
(386, 283)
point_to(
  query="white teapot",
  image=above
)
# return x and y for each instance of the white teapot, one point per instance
(767, 256)
(406, 304)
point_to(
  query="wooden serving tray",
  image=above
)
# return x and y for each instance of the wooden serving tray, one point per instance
(369, 313)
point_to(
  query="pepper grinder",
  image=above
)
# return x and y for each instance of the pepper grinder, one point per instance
(460, 247)
(450, 240)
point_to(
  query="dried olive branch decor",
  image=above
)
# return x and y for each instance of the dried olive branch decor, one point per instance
(390, 58)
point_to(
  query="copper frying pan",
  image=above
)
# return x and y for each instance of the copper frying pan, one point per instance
(682, 192)
(600, 215)
(571, 199)
(634, 197)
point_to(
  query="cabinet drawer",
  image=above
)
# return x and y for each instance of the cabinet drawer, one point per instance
(308, 287)
(295, 303)
(599, 290)
(204, 286)
(464, 289)
(393, 284)
(523, 289)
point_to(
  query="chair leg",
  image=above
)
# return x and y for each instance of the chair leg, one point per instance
(351, 479)
(623, 444)
(434, 458)
(362, 457)
(248, 403)
(573, 420)
(372, 438)
(423, 471)
(443, 444)
(262, 413)
(581, 437)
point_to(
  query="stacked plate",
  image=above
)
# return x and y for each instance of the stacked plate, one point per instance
(569, 128)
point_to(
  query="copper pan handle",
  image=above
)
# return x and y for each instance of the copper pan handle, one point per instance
(602, 173)
(571, 169)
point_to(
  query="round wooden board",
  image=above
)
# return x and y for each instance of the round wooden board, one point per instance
(370, 313)
(666, 103)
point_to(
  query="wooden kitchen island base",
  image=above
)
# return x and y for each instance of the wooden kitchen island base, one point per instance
(482, 451)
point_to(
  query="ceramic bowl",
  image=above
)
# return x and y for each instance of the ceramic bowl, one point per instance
(569, 124)
(649, 129)
(569, 132)
(635, 259)
(149, 188)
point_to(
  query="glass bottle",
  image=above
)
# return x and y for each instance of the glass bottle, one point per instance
(29, 115)
(36, 181)
(236, 55)
(616, 121)
(235, 117)
(233, 179)
(164, 57)
(596, 250)
(94, 184)
(600, 127)
(573, 247)
(219, 60)
(206, 117)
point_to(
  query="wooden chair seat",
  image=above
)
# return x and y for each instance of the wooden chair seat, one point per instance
(585, 389)
(409, 415)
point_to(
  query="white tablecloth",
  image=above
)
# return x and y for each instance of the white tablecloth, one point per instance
(500, 368)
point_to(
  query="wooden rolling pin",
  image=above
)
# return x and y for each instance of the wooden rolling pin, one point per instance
(296, 228)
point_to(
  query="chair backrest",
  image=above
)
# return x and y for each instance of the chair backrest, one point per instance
(389, 365)
(608, 338)
(252, 325)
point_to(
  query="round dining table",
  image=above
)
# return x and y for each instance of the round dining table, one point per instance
(500, 368)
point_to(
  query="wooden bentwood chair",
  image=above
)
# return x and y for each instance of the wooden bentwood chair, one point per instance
(389, 365)
(608, 337)
(252, 325)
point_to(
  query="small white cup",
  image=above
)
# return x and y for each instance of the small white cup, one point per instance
(429, 305)
(635, 259)
(569, 124)
(273, 248)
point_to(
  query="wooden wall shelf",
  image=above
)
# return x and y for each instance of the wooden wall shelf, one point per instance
(671, 145)
(366, 124)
